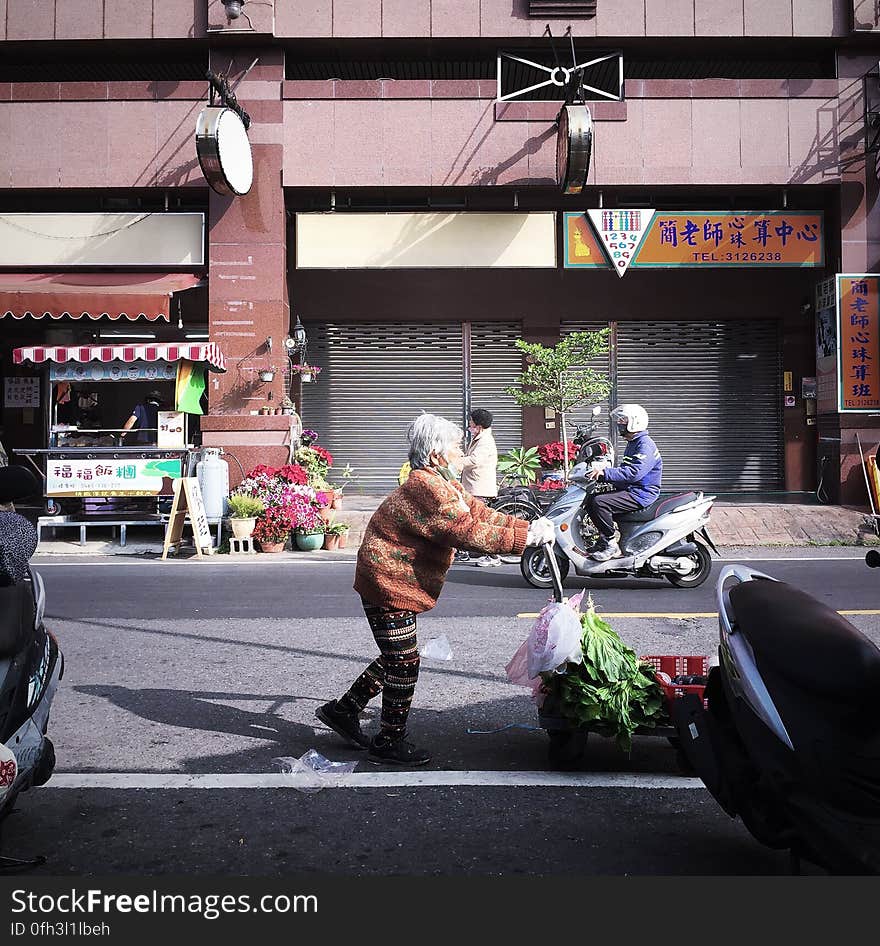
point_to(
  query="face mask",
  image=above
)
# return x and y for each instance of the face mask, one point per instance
(449, 472)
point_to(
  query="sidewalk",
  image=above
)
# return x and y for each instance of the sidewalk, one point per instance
(734, 523)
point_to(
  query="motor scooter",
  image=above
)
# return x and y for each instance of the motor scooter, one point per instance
(668, 539)
(31, 662)
(789, 737)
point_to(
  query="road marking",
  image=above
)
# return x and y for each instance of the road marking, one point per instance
(680, 615)
(381, 779)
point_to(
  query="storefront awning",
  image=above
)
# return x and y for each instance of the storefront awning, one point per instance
(91, 295)
(208, 352)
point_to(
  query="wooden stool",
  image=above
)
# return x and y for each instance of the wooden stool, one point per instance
(241, 546)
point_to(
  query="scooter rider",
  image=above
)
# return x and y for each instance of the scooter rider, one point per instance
(636, 480)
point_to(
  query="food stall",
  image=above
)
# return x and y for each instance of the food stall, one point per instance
(94, 471)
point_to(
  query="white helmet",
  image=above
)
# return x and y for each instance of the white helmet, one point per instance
(634, 416)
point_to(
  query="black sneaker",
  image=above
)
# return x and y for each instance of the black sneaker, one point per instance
(345, 724)
(396, 752)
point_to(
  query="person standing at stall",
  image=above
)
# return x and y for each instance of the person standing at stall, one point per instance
(145, 418)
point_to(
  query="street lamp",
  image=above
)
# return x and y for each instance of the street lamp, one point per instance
(299, 335)
(233, 8)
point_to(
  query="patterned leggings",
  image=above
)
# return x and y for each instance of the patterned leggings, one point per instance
(394, 673)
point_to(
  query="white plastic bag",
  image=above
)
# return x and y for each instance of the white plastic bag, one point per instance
(437, 648)
(311, 771)
(555, 638)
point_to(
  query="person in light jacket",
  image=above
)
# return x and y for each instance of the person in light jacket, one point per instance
(479, 470)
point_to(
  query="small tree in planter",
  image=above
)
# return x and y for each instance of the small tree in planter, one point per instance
(559, 378)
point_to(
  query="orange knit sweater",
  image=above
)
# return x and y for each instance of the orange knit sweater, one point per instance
(410, 540)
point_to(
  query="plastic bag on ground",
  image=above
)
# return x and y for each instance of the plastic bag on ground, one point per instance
(311, 771)
(437, 648)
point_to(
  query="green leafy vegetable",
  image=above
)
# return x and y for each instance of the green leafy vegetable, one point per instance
(611, 693)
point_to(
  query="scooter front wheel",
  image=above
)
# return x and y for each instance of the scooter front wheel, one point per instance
(535, 569)
(699, 574)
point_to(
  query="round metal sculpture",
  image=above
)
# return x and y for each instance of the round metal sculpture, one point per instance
(574, 145)
(224, 151)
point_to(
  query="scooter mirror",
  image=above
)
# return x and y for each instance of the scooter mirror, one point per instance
(16, 483)
(872, 559)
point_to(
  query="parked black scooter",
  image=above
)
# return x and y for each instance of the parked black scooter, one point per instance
(790, 741)
(31, 663)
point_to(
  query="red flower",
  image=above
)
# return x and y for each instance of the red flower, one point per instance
(551, 484)
(325, 455)
(293, 473)
(261, 469)
(550, 454)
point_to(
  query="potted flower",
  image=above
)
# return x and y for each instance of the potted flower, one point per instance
(272, 528)
(347, 476)
(308, 525)
(306, 372)
(243, 513)
(334, 535)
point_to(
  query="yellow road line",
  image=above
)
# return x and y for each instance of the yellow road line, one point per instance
(680, 615)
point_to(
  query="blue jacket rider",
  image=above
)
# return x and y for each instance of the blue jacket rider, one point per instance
(636, 480)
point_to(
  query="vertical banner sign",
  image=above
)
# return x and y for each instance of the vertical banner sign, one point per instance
(826, 345)
(858, 321)
(621, 233)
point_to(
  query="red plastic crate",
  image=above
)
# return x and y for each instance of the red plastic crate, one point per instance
(679, 665)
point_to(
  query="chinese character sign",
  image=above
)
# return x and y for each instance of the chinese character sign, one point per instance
(21, 392)
(772, 238)
(127, 477)
(775, 238)
(858, 334)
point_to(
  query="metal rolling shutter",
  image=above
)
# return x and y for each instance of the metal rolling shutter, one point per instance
(495, 365)
(713, 393)
(582, 415)
(376, 379)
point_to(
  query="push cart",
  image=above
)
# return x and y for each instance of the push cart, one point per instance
(568, 741)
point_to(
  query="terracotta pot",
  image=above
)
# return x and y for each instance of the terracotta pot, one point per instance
(326, 513)
(331, 542)
(343, 539)
(242, 528)
(337, 501)
(271, 546)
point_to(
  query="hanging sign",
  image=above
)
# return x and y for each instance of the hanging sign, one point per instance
(574, 146)
(132, 476)
(171, 432)
(224, 151)
(621, 233)
(858, 328)
(826, 345)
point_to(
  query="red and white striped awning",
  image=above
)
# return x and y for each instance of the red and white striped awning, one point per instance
(94, 296)
(207, 352)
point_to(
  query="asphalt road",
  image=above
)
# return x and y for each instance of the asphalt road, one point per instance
(191, 673)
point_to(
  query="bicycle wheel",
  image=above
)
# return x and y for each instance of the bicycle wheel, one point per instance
(522, 509)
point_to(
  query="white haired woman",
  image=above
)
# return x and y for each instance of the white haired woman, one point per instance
(402, 563)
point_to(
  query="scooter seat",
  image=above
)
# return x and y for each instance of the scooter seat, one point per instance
(16, 618)
(805, 641)
(661, 505)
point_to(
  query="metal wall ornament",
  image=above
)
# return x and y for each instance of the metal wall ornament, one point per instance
(224, 151)
(574, 147)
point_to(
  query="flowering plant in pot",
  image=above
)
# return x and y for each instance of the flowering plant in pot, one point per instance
(243, 513)
(334, 535)
(308, 525)
(273, 527)
(305, 371)
(550, 454)
(316, 461)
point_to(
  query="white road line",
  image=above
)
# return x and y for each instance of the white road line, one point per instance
(381, 779)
